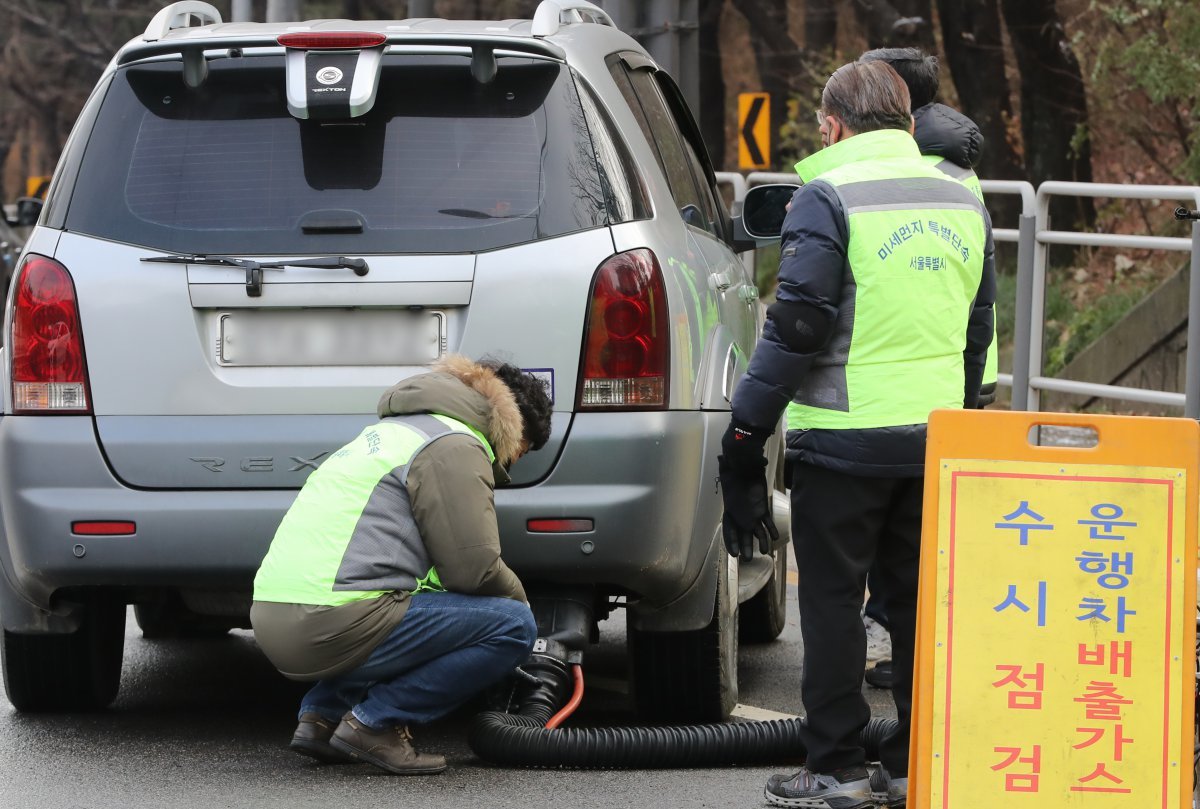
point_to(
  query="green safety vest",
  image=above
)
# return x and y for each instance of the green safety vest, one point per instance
(970, 179)
(915, 258)
(350, 534)
(966, 176)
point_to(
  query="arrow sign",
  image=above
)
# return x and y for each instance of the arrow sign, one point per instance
(754, 130)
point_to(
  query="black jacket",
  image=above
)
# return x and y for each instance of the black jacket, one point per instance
(946, 132)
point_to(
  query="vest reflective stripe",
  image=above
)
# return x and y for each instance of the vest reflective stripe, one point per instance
(967, 177)
(914, 264)
(950, 168)
(350, 534)
(902, 194)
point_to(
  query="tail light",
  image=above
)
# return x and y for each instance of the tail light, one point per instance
(626, 345)
(330, 40)
(49, 372)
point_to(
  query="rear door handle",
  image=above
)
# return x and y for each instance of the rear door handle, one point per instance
(719, 281)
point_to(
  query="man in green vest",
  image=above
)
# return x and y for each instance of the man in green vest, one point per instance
(949, 141)
(384, 581)
(883, 314)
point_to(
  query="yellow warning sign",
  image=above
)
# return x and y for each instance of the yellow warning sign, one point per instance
(36, 186)
(754, 130)
(1057, 615)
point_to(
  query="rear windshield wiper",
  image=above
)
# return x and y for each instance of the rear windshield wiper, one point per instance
(254, 277)
(471, 213)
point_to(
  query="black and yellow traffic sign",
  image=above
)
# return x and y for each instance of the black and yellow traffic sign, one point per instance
(36, 186)
(754, 130)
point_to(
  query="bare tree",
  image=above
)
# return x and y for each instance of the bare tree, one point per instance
(785, 69)
(712, 81)
(915, 25)
(820, 25)
(9, 124)
(971, 40)
(51, 54)
(1054, 116)
(895, 23)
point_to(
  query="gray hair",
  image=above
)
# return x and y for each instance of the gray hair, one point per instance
(867, 96)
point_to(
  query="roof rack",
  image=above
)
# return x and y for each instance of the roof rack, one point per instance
(552, 14)
(178, 15)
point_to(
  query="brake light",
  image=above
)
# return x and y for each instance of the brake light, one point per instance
(626, 342)
(49, 372)
(330, 40)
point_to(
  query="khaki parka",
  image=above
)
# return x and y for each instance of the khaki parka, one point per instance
(448, 485)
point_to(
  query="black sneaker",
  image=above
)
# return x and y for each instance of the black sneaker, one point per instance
(888, 791)
(849, 788)
(881, 675)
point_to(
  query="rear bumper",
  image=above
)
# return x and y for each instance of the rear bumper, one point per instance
(648, 483)
(647, 480)
(52, 473)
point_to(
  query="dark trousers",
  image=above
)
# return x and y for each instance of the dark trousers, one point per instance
(840, 524)
(876, 606)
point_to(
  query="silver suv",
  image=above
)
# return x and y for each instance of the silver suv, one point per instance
(255, 229)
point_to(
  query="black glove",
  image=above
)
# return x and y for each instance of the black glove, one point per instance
(742, 448)
(742, 468)
(987, 395)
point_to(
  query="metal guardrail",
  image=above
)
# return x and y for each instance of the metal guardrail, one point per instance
(1035, 382)
(1023, 236)
(1033, 239)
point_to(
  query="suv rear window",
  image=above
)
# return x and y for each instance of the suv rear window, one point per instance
(441, 163)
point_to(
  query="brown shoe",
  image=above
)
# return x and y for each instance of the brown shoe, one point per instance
(390, 749)
(312, 739)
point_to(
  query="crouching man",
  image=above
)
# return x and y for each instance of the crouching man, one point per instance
(384, 582)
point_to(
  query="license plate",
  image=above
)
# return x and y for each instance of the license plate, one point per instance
(331, 337)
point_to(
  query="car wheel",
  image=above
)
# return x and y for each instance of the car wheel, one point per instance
(691, 676)
(765, 614)
(79, 671)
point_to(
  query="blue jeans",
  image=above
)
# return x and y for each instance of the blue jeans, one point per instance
(447, 648)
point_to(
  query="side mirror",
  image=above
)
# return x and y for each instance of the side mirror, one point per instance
(693, 216)
(28, 211)
(764, 209)
(742, 241)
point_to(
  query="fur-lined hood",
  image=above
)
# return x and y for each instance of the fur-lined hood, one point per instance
(462, 389)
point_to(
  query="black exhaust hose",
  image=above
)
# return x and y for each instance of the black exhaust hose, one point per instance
(522, 740)
(516, 740)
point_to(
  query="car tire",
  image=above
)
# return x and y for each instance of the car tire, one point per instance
(79, 671)
(689, 677)
(764, 616)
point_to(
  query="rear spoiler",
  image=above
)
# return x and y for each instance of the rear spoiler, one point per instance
(174, 31)
(534, 47)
